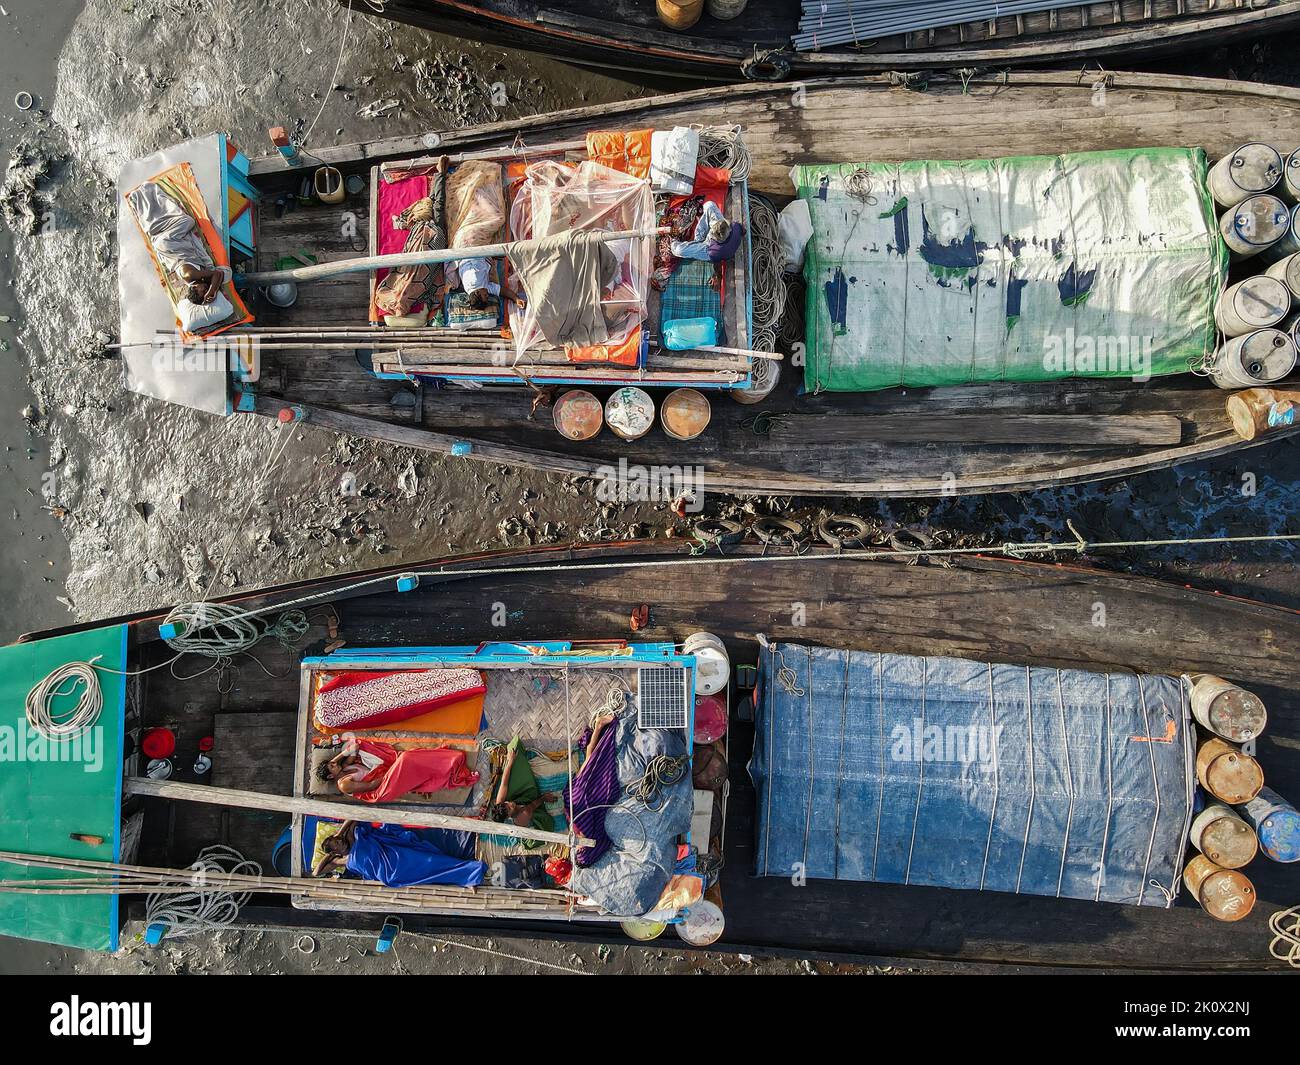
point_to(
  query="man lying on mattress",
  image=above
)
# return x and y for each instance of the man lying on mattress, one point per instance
(397, 856)
(378, 772)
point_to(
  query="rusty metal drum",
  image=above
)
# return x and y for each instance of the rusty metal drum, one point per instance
(1223, 837)
(1277, 823)
(630, 412)
(578, 415)
(1227, 710)
(1251, 169)
(1225, 894)
(1227, 773)
(685, 413)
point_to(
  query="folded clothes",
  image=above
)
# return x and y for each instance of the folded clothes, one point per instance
(374, 699)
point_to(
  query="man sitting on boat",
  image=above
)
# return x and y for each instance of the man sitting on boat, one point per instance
(378, 772)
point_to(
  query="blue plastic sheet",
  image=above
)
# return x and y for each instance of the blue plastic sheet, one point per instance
(963, 774)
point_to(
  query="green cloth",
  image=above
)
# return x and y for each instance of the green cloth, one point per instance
(926, 273)
(48, 792)
(523, 789)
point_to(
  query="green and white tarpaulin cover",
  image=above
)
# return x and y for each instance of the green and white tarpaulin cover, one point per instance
(51, 791)
(1100, 264)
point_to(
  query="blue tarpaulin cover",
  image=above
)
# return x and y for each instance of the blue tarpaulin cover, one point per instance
(963, 774)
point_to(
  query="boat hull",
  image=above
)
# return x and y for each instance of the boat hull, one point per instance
(633, 40)
(981, 608)
(807, 449)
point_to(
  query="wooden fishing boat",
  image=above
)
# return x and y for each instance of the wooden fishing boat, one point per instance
(627, 35)
(908, 442)
(981, 608)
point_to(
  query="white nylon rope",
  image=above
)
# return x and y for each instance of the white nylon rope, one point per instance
(1155, 783)
(205, 909)
(1286, 937)
(67, 725)
(993, 807)
(1069, 779)
(1110, 801)
(1033, 782)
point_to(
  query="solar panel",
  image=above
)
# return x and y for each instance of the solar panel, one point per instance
(662, 699)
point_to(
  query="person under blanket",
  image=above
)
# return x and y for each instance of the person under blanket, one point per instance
(398, 857)
(518, 799)
(179, 245)
(475, 277)
(378, 772)
(425, 221)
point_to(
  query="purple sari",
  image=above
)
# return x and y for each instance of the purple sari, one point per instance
(594, 790)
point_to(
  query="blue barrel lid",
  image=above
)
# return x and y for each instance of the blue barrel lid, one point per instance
(1279, 834)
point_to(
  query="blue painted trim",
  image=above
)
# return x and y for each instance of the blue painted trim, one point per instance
(114, 907)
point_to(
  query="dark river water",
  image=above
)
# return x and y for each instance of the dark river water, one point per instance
(139, 487)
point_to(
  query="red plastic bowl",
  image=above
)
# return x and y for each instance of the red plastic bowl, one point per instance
(158, 743)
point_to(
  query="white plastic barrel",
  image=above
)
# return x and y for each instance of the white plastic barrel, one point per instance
(765, 375)
(1250, 170)
(1256, 303)
(1288, 272)
(1255, 224)
(1259, 358)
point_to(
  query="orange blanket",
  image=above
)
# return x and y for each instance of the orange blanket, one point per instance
(179, 183)
(627, 151)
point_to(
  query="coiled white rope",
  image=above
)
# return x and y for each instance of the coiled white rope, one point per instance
(66, 725)
(204, 909)
(724, 146)
(1286, 937)
(767, 276)
(220, 630)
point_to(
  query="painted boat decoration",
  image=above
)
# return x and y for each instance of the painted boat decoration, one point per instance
(759, 41)
(946, 257)
(192, 751)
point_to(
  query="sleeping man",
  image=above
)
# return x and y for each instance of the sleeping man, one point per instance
(518, 799)
(401, 857)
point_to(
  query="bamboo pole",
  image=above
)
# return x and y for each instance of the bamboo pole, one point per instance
(114, 878)
(367, 263)
(256, 800)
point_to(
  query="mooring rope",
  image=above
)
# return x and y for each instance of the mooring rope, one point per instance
(65, 726)
(206, 908)
(1286, 936)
